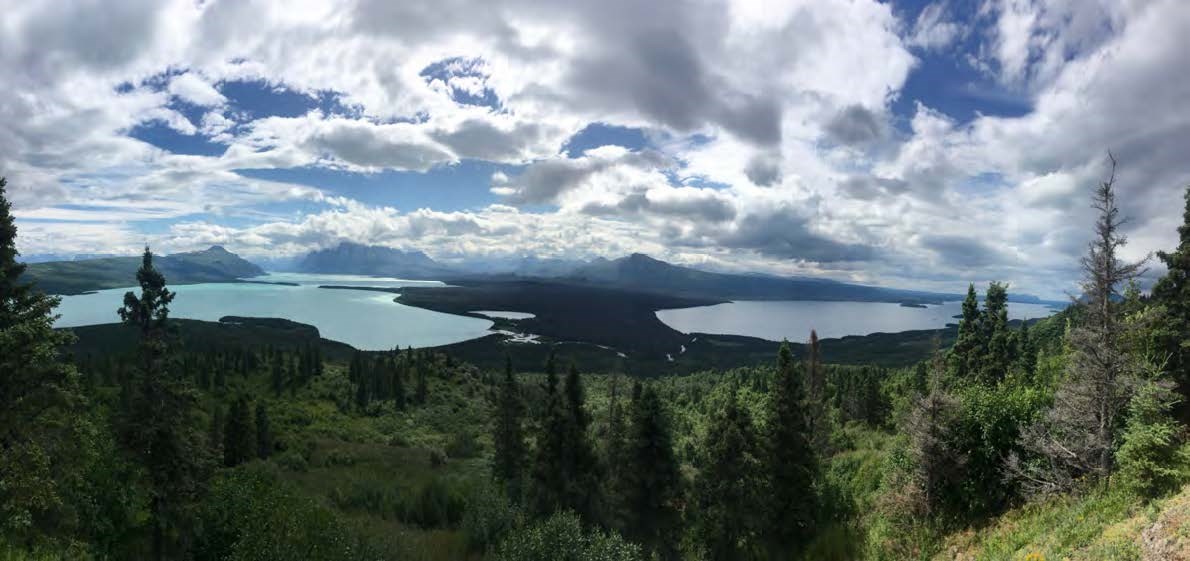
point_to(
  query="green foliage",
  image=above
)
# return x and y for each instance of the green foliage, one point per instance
(239, 436)
(158, 425)
(653, 483)
(561, 538)
(1151, 460)
(1173, 292)
(508, 465)
(488, 517)
(790, 464)
(42, 420)
(728, 486)
(251, 515)
(988, 430)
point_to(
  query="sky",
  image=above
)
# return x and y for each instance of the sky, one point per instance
(910, 144)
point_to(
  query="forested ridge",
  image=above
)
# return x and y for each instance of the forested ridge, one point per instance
(1062, 438)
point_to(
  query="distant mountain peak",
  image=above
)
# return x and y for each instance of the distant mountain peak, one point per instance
(217, 249)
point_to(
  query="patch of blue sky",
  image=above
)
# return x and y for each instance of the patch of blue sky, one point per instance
(462, 186)
(597, 134)
(460, 67)
(162, 136)
(947, 79)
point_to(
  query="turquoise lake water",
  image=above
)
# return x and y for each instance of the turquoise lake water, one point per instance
(363, 319)
(793, 320)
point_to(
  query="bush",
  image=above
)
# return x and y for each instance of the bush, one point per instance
(436, 506)
(488, 517)
(292, 460)
(463, 444)
(250, 514)
(561, 538)
(1150, 459)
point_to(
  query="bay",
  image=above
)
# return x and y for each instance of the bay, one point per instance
(793, 320)
(366, 320)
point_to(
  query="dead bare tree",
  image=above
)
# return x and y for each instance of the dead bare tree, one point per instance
(1076, 438)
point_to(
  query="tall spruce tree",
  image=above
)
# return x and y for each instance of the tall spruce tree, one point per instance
(41, 406)
(1173, 292)
(790, 462)
(158, 426)
(548, 473)
(996, 339)
(614, 457)
(581, 464)
(654, 486)
(264, 433)
(817, 420)
(508, 465)
(967, 349)
(728, 486)
(239, 438)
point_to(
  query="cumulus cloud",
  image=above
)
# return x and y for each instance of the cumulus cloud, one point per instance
(932, 29)
(190, 87)
(771, 142)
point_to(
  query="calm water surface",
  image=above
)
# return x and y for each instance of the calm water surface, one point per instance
(363, 319)
(793, 320)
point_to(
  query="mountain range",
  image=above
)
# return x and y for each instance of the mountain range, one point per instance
(637, 273)
(214, 264)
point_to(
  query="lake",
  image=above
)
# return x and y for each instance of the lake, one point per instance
(365, 320)
(793, 320)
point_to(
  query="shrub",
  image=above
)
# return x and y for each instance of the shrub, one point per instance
(250, 514)
(561, 538)
(1150, 459)
(463, 444)
(488, 517)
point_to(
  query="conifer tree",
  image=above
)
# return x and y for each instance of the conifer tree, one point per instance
(653, 486)
(264, 434)
(614, 458)
(580, 464)
(817, 421)
(508, 465)
(548, 472)
(215, 433)
(239, 438)
(967, 349)
(790, 463)
(997, 340)
(277, 377)
(1026, 358)
(1077, 438)
(397, 369)
(157, 425)
(1173, 292)
(422, 383)
(41, 407)
(728, 485)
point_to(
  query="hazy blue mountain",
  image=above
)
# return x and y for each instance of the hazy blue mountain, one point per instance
(521, 266)
(641, 272)
(215, 264)
(356, 259)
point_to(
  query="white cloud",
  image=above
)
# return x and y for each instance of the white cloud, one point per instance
(192, 88)
(773, 139)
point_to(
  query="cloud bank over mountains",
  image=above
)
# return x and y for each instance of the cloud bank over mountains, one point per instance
(914, 144)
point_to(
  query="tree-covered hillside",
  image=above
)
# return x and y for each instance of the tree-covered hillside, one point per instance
(215, 264)
(255, 439)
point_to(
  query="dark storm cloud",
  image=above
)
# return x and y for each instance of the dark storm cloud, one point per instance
(479, 139)
(855, 125)
(783, 234)
(764, 170)
(697, 207)
(962, 251)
